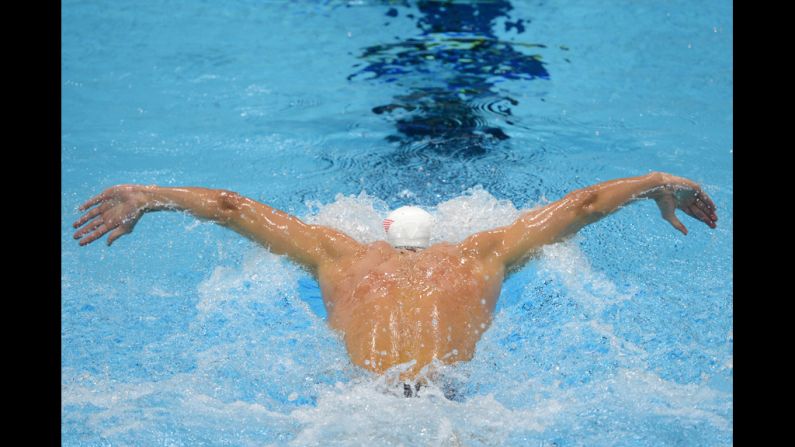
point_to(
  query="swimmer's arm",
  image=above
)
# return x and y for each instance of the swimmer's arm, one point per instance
(558, 220)
(120, 207)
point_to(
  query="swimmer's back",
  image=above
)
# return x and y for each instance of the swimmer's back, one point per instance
(396, 305)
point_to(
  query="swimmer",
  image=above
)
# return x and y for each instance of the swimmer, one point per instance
(401, 299)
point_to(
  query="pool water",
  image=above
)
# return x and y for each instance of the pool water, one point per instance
(184, 333)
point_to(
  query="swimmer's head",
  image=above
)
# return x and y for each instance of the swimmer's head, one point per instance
(408, 226)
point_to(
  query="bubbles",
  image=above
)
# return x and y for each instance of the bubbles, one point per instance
(362, 413)
(590, 288)
(255, 366)
(361, 216)
(475, 210)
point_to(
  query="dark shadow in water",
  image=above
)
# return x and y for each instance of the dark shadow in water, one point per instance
(449, 73)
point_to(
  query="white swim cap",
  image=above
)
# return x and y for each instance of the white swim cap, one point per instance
(408, 226)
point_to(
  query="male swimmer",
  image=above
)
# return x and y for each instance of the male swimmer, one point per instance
(401, 300)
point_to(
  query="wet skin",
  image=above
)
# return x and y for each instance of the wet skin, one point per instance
(394, 306)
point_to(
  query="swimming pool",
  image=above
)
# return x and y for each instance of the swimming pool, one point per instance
(183, 333)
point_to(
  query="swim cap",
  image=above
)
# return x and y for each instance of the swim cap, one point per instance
(408, 226)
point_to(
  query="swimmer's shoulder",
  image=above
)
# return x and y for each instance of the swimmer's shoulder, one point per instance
(480, 244)
(372, 251)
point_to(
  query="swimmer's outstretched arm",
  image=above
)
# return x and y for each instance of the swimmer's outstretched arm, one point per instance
(117, 210)
(554, 222)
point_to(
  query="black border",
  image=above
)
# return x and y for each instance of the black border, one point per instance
(41, 109)
(48, 423)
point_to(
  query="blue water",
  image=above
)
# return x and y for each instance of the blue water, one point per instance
(184, 333)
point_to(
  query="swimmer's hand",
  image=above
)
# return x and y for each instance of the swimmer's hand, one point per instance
(117, 208)
(681, 193)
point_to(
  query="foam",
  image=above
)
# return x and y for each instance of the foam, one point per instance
(362, 414)
(361, 216)
(255, 366)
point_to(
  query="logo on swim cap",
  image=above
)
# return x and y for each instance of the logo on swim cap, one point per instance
(408, 226)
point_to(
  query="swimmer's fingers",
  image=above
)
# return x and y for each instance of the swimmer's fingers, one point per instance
(102, 229)
(702, 206)
(707, 205)
(690, 198)
(94, 200)
(673, 220)
(117, 233)
(698, 205)
(118, 192)
(91, 214)
(706, 199)
(88, 228)
(699, 213)
(667, 205)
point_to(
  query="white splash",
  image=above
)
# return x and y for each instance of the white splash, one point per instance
(361, 216)
(256, 383)
(592, 289)
(370, 412)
